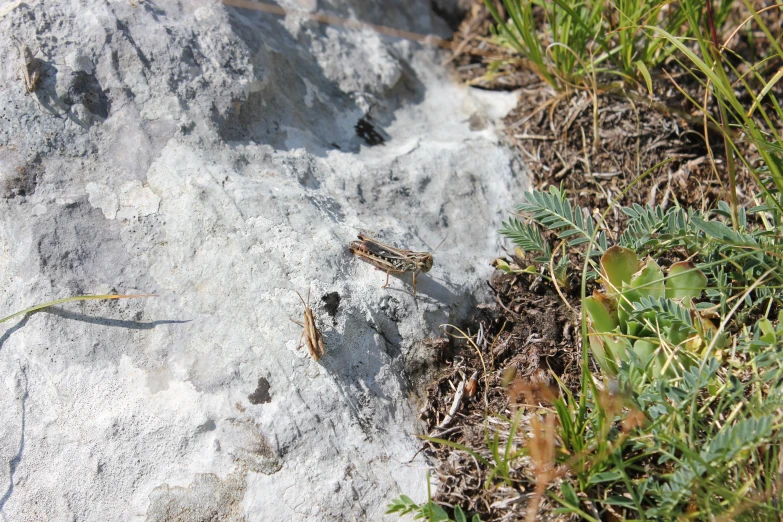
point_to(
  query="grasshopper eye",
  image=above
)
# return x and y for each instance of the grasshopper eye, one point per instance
(427, 263)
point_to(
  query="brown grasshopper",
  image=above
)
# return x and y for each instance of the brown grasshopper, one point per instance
(30, 68)
(313, 337)
(391, 259)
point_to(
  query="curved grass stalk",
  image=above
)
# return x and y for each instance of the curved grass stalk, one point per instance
(475, 347)
(71, 299)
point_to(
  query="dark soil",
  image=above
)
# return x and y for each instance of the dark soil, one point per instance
(528, 335)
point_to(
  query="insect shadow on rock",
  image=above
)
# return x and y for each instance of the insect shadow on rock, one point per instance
(311, 333)
(32, 71)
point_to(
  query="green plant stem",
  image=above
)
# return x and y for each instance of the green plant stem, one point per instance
(716, 57)
(70, 299)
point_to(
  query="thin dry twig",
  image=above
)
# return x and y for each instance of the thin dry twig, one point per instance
(454, 407)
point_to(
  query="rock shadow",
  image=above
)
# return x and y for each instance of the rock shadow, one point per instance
(8, 333)
(60, 88)
(13, 464)
(105, 321)
(291, 103)
(366, 365)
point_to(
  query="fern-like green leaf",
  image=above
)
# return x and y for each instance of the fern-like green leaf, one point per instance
(721, 232)
(731, 440)
(553, 211)
(647, 226)
(528, 238)
(671, 317)
(664, 310)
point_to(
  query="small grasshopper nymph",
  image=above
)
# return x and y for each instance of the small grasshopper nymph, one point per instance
(390, 259)
(313, 337)
(30, 68)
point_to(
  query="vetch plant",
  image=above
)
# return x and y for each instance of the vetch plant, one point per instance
(643, 312)
(639, 306)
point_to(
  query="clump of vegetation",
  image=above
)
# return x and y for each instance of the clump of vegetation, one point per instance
(678, 409)
(568, 41)
(704, 400)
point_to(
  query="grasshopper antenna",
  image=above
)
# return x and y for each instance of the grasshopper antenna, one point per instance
(307, 304)
(439, 244)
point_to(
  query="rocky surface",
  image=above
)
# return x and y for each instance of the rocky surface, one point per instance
(222, 158)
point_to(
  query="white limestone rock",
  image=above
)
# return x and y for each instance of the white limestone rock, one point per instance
(210, 155)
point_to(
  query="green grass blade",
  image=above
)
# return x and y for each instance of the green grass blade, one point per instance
(70, 299)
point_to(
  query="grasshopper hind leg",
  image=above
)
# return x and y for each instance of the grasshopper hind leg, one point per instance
(389, 272)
